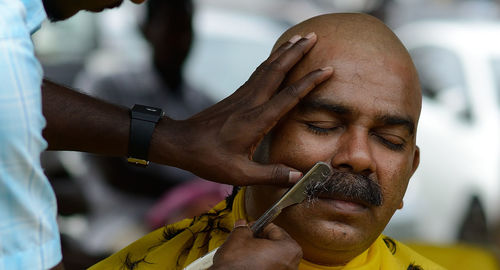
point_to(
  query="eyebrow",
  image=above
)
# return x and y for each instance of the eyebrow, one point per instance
(318, 105)
(342, 110)
(392, 120)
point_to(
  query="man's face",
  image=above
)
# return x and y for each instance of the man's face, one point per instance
(362, 121)
(169, 31)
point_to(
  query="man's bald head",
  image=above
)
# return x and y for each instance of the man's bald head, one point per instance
(351, 29)
(344, 37)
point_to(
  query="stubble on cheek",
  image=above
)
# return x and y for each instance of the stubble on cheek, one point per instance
(295, 152)
(394, 185)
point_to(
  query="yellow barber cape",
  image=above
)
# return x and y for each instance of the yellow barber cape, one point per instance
(176, 246)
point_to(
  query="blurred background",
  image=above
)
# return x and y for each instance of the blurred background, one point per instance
(183, 56)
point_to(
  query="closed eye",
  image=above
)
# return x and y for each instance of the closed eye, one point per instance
(320, 129)
(392, 142)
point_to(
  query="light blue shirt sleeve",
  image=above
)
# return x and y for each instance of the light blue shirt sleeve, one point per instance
(29, 237)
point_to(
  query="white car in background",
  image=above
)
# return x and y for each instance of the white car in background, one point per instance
(455, 193)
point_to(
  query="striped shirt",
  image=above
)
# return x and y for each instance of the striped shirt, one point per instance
(29, 237)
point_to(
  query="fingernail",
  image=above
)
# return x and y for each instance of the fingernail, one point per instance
(240, 223)
(327, 68)
(310, 35)
(294, 176)
(295, 39)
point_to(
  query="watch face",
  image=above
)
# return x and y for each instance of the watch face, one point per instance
(153, 110)
(146, 113)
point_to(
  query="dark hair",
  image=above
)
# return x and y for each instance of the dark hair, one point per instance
(53, 12)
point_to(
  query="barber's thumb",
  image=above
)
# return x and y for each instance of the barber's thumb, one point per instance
(276, 174)
(274, 233)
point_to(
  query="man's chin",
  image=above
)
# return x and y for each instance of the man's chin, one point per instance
(336, 234)
(332, 243)
(329, 233)
(324, 233)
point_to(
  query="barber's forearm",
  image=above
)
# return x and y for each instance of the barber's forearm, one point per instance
(79, 122)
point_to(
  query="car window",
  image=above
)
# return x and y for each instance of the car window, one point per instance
(495, 64)
(441, 76)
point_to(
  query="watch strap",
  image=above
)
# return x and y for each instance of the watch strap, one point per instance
(143, 120)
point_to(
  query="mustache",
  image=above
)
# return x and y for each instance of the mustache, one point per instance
(347, 185)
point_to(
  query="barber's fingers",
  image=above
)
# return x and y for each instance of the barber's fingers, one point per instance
(254, 173)
(241, 231)
(302, 46)
(282, 48)
(270, 232)
(268, 77)
(240, 234)
(275, 233)
(241, 224)
(288, 97)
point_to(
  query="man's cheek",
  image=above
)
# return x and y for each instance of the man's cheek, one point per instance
(308, 149)
(393, 191)
(288, 150)
(302, 157)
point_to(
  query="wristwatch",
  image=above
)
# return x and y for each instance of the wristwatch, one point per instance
(143, 120)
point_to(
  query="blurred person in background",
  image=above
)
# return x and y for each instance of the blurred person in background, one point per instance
(203, 144)
(168, 29)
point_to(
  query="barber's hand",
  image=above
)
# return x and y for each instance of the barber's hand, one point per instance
(275, 250)
(218, 143)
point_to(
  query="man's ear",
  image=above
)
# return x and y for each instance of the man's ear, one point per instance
(416, 160)
(401, 205)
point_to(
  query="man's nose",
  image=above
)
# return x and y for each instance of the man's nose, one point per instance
(354, 153)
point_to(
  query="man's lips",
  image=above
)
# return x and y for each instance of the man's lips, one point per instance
(344, 204)
(347, 206)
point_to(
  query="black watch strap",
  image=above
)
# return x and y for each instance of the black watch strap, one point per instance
(143, 120)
